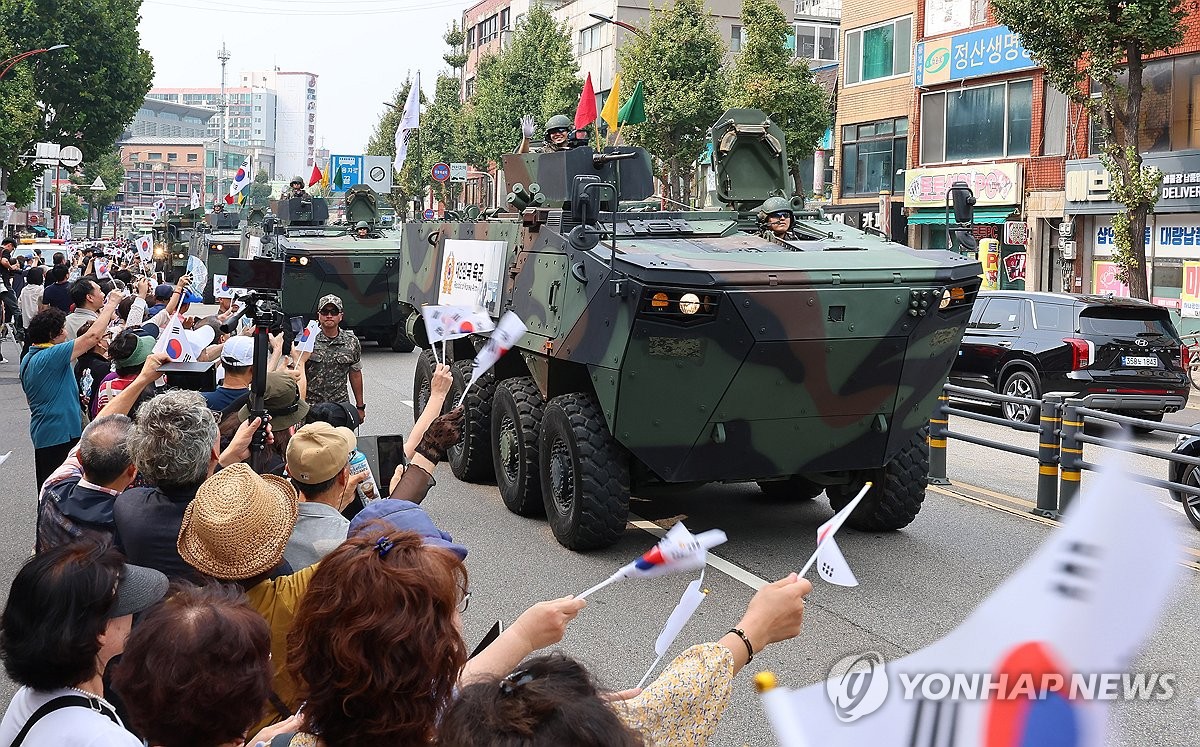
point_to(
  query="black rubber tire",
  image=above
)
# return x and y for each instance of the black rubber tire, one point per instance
(471, 458)
(516, 425)
(1190, 503)
(422, 378)
(399, 341)
(795, 488)
(584, 474)
(1029, 386)
(899, 490)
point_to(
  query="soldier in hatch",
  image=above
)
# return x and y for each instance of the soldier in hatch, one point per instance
(558, 132)
(295, 189)
(362, 230)
(776, 219)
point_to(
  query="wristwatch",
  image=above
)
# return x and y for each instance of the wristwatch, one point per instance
(361, 407)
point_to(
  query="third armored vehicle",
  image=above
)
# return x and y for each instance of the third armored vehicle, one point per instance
(682, 347)
(217, 238)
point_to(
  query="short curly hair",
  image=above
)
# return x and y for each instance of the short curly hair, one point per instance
(172, 439)
(374, 645)
(46, 325)
(197, 668)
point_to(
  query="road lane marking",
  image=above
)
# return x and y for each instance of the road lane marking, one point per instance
(737, 573)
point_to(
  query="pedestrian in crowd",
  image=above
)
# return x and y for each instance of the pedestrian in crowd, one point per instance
(91, 370)
(77, 500)
(87, 298)
(68, 613)
(59, 259)
(57, 292)
(286, 409)
(197, 669)
(336, 358)
(30, 300)
(8, 270)
(162, 296)
(237, 360)
(174, 446)
(681, 706)
(48, 378)
(127, 352)
(318, 464)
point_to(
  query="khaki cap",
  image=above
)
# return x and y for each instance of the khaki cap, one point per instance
(318, 451)
(330, 300)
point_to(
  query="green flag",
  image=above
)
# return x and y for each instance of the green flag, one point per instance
(634, 110)
(338, 181)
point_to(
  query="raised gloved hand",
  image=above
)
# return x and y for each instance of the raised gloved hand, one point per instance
(528, 127)
(442, 433)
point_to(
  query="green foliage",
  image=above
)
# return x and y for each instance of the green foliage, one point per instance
(679, 60)
(535, 73)
(1104, 42)
(410, 180)
(73, 208)
(260, 190)
(18, 122)
(765, 75)
(111, 171)
(86, 93)
(454, 38)
(443, 133)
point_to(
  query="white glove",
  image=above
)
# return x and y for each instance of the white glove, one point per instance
(528, 127)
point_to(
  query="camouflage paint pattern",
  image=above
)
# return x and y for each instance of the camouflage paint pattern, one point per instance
(819, 355)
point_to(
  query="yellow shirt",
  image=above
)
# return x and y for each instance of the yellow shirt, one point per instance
(682, 707)
(277, 600)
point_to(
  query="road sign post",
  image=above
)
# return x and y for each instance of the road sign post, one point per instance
(429, 214)
(441, 172)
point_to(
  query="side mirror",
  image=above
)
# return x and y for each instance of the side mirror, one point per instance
(584, 210)
(964, 202)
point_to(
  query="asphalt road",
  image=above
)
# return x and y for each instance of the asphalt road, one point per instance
(915, 585)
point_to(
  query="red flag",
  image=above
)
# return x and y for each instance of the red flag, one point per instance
(316, 176)
(228, 199)
(586, 113)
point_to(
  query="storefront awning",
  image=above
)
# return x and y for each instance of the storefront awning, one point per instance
(938, 217)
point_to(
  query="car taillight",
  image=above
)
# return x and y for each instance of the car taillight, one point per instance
(1082, 352)
(1185, 357)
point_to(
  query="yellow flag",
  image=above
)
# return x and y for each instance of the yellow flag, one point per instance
(325, 181)
(612, 104)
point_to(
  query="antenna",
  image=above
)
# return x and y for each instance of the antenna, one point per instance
(223, 56)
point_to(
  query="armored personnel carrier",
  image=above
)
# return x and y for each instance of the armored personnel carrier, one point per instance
(218, 236)
(321, 258)
(682, 347)
(173, 237)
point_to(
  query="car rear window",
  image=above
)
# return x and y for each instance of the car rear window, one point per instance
(1125, 322)
(1052, 316)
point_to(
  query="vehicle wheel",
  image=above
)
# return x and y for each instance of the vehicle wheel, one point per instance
(584, 474)
(399, 341)
(1194, 370)
(1191, 503)
(471, 458)
(422, 381)
(1021, 384)
(896, 497)
(516, 424)
(795, 488)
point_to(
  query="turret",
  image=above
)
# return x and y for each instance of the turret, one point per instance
(550, 179)
(301, 211)
(750, 160)
(362, 204)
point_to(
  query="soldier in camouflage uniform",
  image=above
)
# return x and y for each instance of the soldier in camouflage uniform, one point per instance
(776, 219)
(336, 358)
(558, 132)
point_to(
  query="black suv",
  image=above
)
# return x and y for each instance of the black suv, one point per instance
(1023, 344)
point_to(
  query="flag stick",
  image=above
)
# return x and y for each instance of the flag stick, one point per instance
(617, 138)
(608, 581)
(854, 501)
(443, 349)
(646, 676)
(463, 398)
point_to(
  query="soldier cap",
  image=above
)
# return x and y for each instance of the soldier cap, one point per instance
(777, 205)
(330, 300)
(558, 122)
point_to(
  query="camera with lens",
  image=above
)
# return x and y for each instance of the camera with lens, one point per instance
(264, 279)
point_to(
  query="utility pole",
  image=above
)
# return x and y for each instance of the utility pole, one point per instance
(223, 56)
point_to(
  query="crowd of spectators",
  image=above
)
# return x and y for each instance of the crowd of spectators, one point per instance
(190, 589)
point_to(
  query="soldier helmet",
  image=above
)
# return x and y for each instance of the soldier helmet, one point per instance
(558, 122)
(362, 224)
(777, 205)
(297, 180)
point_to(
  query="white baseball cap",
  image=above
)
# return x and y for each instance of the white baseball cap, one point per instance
(238, 351)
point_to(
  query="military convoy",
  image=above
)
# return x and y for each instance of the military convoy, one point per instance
(679, 346)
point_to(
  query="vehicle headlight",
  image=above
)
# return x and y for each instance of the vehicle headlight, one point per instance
(303, 261)
(689, 303)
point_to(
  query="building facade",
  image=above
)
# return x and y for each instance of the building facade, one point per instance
(170, 168)
(250, 117)
(159, 118)
(295, 117)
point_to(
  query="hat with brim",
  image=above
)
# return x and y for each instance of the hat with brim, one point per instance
(393, 514)
(283, 402)
(138, 589)
(238, 524)
(145, 346)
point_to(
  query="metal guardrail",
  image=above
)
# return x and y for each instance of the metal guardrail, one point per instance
(1061, 435)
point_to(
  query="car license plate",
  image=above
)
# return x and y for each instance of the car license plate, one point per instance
(1139, 360)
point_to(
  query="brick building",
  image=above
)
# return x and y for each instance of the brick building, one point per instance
(1170, 141)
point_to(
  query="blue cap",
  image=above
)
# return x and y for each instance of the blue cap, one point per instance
(164, 291)
(404, 516)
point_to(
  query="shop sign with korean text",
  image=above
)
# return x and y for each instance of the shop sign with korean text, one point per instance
(993, 184)
(1088, 185)
(989, 51)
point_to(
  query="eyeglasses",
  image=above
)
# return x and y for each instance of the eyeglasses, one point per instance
(464, 603)
(781, 215)
(330, 312)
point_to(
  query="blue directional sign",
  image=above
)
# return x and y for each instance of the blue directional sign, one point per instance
(429, 213)
(352, 172)
(441, 171)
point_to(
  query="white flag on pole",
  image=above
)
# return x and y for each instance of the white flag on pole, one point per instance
(506, 334)
(409, 122)
(828, 556)
(453, 322)
(175, 342)
(145, 247)
(241, 178)
(307, 339)
(195, 203)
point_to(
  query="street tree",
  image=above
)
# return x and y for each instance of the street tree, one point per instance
(87, 92)
(443, 133)
(535, 73)
(1104, 44)
(260, 190)
(18, 123)
(679, 61)
(108, 168)
(73, 208)
(410, 182)
(766, 75)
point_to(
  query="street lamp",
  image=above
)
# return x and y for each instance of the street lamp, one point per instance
(615, 22)
(8, 64)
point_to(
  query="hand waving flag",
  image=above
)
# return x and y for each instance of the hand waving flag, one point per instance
(506, 334)
(679, 550)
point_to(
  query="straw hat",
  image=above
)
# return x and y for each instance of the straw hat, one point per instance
(238, 524)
